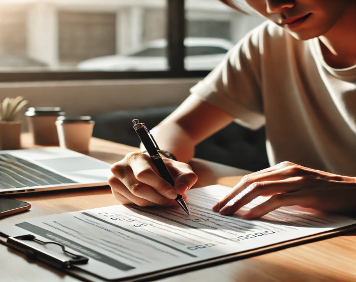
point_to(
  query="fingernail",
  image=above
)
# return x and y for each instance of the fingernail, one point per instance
(171, 194)
(216, 207)
(225, 210)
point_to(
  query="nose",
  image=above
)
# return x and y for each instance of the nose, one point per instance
(276, 6)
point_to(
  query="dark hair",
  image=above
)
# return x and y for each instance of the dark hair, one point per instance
(233, 4)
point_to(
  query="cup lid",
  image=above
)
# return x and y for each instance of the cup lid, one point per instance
(73, 119)
(44, 111)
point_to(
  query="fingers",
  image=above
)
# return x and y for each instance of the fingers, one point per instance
(122, 194)
(262, 189)
(274, 173)
(126, 184)
(137, 194)
(118, 196)
(273, 203)
(285, 177)
(332, 198)
(143, 172)
(289, 183)
(184, 176)
(137, 181)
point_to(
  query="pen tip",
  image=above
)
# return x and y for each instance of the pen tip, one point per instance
(182, 204)
(185, 208)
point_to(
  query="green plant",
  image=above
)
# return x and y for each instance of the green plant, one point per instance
(10, 107)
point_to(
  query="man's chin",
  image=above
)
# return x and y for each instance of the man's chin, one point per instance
(302, 35)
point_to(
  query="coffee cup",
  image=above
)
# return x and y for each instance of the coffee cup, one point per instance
(41, 123)
(74, 132)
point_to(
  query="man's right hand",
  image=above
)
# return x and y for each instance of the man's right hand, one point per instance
(135, 180)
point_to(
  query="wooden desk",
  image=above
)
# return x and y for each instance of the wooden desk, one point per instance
(332, 259)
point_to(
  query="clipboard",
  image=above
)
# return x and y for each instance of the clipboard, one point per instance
(70, 263)
(161, 242)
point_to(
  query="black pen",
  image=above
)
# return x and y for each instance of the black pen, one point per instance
(152, 148)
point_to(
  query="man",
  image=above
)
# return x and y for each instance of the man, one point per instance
(296, 74)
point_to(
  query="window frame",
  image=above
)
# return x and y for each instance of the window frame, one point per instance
(175, 57)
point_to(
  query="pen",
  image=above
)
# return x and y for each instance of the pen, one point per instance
(152, 148)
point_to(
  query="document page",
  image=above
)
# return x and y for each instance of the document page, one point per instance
(125, 241)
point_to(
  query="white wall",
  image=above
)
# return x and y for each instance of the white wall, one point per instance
(96, 97)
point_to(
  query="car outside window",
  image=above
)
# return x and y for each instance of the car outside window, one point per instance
(150, 52)
(204, 50)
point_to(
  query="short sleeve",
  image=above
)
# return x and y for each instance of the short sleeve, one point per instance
(235, 84)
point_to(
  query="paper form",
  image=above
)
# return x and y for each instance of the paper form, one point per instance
(122, 241)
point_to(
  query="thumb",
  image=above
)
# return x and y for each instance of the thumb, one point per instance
(183, 175)
(185, 181)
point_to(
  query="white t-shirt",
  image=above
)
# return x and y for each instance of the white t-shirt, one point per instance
(308, 107)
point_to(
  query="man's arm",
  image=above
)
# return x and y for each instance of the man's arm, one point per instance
(135, 179)
(192, 122)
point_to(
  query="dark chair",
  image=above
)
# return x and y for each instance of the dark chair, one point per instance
(234, 145)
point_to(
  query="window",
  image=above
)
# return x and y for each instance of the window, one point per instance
(208, 28)
(13, 44)
(83, 36)
(150, 52)
(77, 39)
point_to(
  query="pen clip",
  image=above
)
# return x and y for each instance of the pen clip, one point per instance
(138, 125)
(152, 138)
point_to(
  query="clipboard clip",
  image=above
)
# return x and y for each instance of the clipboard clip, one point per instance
(33, 252)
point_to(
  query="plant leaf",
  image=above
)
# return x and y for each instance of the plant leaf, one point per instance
(4, 107)
(19, 106)
(14, 104)
(12, 109)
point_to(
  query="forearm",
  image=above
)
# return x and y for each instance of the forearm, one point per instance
(191, 123)
(173, 138)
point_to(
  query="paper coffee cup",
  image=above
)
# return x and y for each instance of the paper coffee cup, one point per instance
(74, 132)
(41, 123)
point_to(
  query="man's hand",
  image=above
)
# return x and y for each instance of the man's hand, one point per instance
(136, 180)
(290, 184)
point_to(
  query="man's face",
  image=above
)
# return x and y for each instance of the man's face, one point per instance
(303, 19)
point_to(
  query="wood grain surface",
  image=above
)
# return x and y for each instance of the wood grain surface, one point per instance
(332, 259)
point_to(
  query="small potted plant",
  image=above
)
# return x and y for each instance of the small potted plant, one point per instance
(10, 130)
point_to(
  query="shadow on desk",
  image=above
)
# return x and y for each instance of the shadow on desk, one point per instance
(216, 173)
(110, 157)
